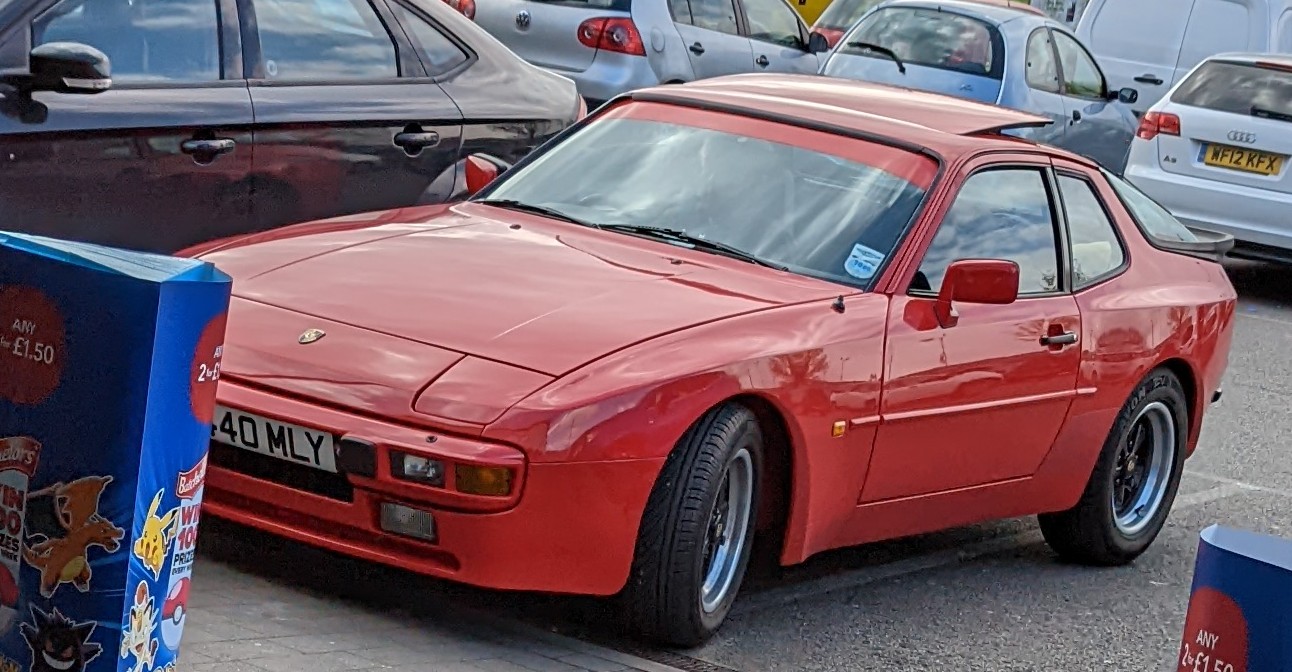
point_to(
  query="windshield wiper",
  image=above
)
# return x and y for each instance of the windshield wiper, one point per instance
(694, 241)
(901, 67)
(1258, 111)
(543, 210)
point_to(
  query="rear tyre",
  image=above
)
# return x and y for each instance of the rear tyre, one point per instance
(697, 530)
(1133, 484)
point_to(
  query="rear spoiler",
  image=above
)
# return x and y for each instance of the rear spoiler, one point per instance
(1210, 245)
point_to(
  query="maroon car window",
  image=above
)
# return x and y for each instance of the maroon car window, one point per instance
(997, 214)
(931, 38)
(145, 40)
(439, 53)
(1096, 249)
(303, 40)
(813, 213)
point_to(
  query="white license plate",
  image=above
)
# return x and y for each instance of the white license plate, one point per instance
(285, 441)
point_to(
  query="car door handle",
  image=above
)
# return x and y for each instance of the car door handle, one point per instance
(1065, 338)
(413, 141)
(1149, 79)
(697, 48)
(207, 147)
(762, 60)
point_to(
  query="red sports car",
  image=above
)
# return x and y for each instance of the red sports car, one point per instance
(817, 311)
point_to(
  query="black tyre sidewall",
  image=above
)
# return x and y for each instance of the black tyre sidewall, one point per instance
(749, 438)
(1160, 385)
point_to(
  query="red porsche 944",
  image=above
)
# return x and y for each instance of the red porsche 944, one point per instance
(819, 312)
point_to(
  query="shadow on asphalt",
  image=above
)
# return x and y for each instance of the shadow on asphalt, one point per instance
(1265, 282)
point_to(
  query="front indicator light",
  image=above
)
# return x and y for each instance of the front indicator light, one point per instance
(491, 481)
(417, 469)
(407, 521)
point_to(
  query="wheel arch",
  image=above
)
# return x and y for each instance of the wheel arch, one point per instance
(1184, 371)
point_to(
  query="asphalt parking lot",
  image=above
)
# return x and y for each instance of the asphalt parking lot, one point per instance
(991, 597)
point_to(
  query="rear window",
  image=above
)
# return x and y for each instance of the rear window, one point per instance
(1240, 88)
(932, 38)
(612, 5)
(841, 14)
(1153, 219)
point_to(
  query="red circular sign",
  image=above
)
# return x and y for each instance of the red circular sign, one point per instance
(205, 370)
(1215, 634)
(32, 336)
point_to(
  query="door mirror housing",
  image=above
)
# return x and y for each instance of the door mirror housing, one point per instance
(65, 67)
(986, 281)
(1125, 95)
(481, 169)
(817, 43)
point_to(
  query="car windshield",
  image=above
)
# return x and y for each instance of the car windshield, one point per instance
(932, 38)
(841, 14)
(826, 206)
(1240, 88)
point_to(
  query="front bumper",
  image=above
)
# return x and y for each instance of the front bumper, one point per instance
(572, 529)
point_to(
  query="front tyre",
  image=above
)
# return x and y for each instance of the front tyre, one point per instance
(1134, 483)
(697, 530)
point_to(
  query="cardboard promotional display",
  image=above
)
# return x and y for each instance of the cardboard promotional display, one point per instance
(1240, 609)
(108, 368)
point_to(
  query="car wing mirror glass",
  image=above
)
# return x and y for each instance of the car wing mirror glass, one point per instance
(817, 43)
(986, 281)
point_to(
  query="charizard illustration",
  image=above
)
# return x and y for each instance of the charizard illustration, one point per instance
(61, 544)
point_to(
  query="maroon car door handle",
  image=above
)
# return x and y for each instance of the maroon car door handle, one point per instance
(208, 147)
(417, 140)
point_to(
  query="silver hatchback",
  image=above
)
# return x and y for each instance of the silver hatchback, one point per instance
(611, 46)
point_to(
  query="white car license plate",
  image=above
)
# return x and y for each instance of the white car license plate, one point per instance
(285, 441)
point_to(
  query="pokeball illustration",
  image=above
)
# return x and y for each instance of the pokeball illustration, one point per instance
(174, 613)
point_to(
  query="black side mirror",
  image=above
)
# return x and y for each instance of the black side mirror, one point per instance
(1125, 95)
(817, 43)
(69, 67)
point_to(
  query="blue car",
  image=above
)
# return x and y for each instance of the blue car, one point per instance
(996, 55)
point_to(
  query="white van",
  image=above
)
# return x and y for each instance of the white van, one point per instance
(1150, 44)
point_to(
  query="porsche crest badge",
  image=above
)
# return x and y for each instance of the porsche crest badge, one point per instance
(310, 336)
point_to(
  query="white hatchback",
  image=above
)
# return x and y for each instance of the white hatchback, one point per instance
(1215, 151)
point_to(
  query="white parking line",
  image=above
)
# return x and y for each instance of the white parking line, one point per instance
(782, 595)
(1251, 487)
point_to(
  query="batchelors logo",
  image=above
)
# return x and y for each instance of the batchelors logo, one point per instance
(189, 482)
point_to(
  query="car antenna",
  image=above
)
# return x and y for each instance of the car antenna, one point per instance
(838, 304)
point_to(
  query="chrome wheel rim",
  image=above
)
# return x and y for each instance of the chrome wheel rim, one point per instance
(1142, 473)
(724, 541)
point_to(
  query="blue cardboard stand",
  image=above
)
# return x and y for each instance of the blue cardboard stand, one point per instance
(108, 367)
(1240, 609)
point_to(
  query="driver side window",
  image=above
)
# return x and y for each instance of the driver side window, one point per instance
(146, 41)
(1000, 213)
(1081, 76)
(773, 21)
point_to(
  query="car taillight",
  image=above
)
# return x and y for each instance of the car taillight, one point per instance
(468, 9)
(1154, 123)
(617, 34)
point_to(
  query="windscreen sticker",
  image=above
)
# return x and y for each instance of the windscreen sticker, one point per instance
(863, 262)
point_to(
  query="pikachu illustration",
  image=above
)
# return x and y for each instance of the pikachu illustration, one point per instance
(156, 536)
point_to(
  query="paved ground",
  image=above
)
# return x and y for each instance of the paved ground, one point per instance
(990, 597)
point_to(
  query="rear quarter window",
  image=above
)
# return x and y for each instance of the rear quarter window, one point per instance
(1154, 220)
(933, 38)
(1240, 88)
